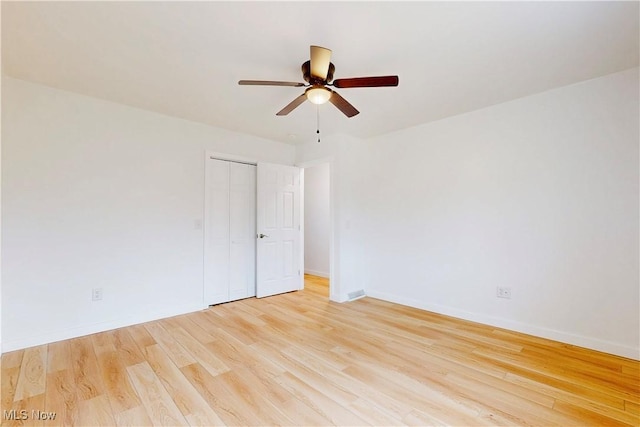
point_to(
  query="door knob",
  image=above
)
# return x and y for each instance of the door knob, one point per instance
(262, 236)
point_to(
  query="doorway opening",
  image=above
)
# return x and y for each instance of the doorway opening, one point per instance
(317, 227)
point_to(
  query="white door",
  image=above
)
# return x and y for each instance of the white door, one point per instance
(230, 220)
(216, 228)
(242, 231)
(278, 228)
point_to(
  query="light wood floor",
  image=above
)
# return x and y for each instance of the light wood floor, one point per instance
(298, 359)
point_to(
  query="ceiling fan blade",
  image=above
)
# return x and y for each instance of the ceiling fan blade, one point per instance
(343, 105)
(292, 105)
(320, 60)
(268, 83)
(366, 82)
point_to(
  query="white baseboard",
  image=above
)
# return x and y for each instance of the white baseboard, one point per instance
(525, 328)
(316, 273)
(79, 331)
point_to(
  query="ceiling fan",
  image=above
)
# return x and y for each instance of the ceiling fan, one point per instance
(318, 73)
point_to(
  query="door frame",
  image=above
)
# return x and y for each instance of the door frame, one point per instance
(334, 286)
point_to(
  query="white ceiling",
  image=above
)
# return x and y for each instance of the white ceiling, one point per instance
(184, 58)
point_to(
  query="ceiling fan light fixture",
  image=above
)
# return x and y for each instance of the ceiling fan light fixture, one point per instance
(318, 73)
(318, 95)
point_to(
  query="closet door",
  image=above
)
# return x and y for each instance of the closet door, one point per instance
(230, 231)
(242, 233)
(216, 227)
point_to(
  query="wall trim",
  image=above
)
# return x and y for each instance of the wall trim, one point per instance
(525, 328)
(65, 334)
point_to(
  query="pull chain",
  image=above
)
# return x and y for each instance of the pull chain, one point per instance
(318, 121)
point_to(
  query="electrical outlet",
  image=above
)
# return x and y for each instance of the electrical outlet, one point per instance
(502, 292)
(96, 294)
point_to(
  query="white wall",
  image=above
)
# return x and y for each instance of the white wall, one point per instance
(317, 224)
(97, 194)
(539, 194)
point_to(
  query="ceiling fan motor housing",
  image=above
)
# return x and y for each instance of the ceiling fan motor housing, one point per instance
(306, 73)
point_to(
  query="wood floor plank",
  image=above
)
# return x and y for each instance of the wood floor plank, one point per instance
(180, 356)
(12, 359)
(632, 408)
(309, 370)
(606, 383)
(58, 356)
(61, 398)
(234, 353)
(213, 390)
(584, 416)
(372, 413)
(319, 402)
(377, 396)
(615, 409)
(420, 419)
(439, 368)
(125, 345)
(141, 336)
(160, 408)
(95, 412)
(575, 365)
(190, 323)
(240, 357)
(134, 417)
(543, 375)
(102, 343)
(244, 331)
(633, 371)
(33, 373)
(244, 387)
(402, 388)
(119, 389)
(8, 385)
(191, 404)
(87, 375)
(199, 352)
(509, 405)
(304, 415)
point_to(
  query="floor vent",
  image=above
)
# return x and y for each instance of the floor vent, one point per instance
(355, 295)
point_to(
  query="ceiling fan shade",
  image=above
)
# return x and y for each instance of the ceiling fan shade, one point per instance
(320, 60)
(366, 82)
(318, 73)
